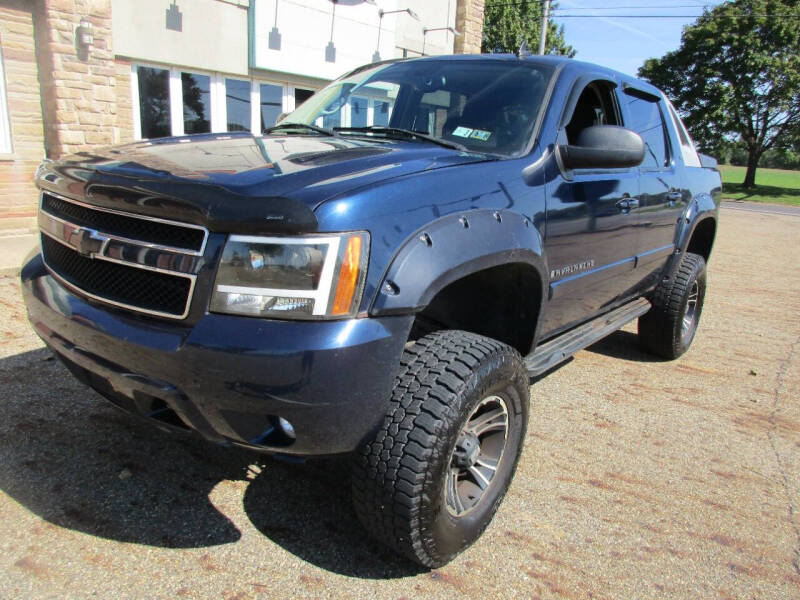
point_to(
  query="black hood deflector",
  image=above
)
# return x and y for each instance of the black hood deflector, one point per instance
(238, 182)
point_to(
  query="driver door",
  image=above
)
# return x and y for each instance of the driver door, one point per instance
(590, 229)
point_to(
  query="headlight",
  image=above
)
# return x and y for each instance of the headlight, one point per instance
(309, 277)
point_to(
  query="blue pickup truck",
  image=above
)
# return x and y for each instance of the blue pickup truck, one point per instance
(382, 273)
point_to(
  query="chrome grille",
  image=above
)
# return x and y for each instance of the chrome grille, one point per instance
(140, 263)
(124, 226)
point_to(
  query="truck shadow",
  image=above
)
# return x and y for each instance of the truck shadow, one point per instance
(625, 345)
(308, 512)
(71, 458)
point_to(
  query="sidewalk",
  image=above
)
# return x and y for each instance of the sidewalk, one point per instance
(14, 247)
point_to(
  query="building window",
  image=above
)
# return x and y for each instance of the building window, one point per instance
(301, 95)
(358, 111)
(5, 123)
(383, 110)
(271, 104)
(196, 103)
(171, 102)
(362, 111)
(237, 103)
(154, 112)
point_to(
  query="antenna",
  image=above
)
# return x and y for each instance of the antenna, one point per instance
(523, 50)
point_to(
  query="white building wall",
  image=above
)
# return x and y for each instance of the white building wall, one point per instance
(321, 39)
(213, 35)
(433, 14)
(312, 32)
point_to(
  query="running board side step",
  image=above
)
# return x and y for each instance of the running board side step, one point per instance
(548, 355)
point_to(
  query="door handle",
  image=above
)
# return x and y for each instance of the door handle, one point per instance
(633, 203)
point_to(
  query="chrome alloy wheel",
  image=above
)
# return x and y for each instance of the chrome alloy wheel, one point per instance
(690, 314)
(476, 456)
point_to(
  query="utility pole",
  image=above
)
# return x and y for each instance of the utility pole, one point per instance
(545, 17)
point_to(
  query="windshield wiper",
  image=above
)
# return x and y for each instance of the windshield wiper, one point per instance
(314, 128)
(405, 133)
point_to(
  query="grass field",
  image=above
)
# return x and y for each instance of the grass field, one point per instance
(772, 185)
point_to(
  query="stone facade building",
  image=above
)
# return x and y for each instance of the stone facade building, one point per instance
(469, 21)
(21, 123)
(77, 74)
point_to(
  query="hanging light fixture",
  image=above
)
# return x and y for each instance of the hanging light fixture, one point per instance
(174, 17)
(377, 56)
(274, 41)
(330, 49)
(426, 31)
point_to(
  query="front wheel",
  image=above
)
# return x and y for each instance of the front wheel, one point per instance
(431, 480)
(668, 328)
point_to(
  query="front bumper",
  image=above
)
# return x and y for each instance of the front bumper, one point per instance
(229, 378)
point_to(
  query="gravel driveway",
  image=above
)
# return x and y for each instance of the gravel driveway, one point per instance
(639, 479)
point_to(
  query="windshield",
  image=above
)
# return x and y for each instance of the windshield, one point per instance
(484, 106)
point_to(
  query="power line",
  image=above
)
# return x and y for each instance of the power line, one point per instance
(558, 11)
(741, 16)
(636, 7)
(567, 12)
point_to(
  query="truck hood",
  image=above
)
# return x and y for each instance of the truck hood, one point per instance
(238, 182)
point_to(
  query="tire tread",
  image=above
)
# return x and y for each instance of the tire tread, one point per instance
(390, 471)
(659, 328)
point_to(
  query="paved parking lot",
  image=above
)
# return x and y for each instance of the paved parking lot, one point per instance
(639, 479)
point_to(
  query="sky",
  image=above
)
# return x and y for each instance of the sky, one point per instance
(624, 43)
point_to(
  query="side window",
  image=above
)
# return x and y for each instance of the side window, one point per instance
(690, 158)
(646, 120)
(595, 106)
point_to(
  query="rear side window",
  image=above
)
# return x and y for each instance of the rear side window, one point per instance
(690, 158)
(646, 120)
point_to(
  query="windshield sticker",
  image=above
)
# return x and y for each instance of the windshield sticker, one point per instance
(464, 132)
(480, 134)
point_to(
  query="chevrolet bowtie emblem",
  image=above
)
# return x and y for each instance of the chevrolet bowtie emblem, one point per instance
(87, 241)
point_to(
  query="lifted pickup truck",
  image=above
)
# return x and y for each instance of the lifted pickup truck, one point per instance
(382, 273)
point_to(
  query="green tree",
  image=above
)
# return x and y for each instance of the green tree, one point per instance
(506, 24)
(736, 77)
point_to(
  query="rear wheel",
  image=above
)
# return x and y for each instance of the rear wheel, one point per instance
(431, 480)
(668, 328)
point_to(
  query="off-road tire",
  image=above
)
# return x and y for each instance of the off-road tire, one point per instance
(661, 330)
(398, 478)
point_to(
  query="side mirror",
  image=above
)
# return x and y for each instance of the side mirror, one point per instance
(603, 147)
(281, 117)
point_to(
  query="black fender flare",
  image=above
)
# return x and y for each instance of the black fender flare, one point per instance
(451, 248)
(701, 207)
